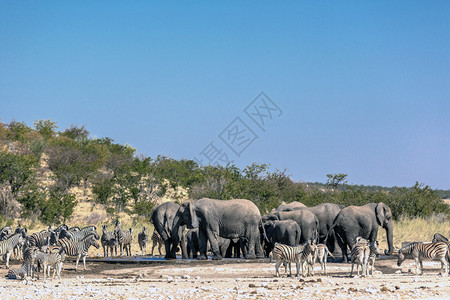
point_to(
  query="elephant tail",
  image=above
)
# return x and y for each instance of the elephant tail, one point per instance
(330, 238)
(264, 231)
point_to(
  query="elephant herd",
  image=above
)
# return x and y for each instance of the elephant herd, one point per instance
(221, 226)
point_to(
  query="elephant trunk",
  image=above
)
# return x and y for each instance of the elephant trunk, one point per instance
(390, 239)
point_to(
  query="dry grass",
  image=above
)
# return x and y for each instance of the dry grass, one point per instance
(416, 229)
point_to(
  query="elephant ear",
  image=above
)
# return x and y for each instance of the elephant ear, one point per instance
(194, 219)
(380, 213)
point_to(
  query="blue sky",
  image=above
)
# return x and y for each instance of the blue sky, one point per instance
(363, 87)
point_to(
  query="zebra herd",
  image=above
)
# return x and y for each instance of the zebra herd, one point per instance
(363, 254)
(111, 240)
(46, 249)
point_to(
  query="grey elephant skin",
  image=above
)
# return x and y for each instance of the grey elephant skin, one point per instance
(193, 245)
(162, 218)
(286, 232)
(290, 206)
(232, 219)
(325, 213)
(363, 221)
(308, 222)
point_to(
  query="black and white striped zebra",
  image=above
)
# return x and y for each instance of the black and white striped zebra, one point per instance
(308, 258)
(29, 255)
(440, 238)
(5, 233)
(143, 240)
(19, 273)
(48, 260)
(79, 249)
(39, 239)
(359, 256)
(7, 246)
(322, 255)
(429, 251)
(374, 252)
(286, 254)
(124, 238)
(157, 241)
(105, 240)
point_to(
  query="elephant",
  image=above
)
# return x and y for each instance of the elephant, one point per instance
(362, 221)
(162, 218)
(290, 206)
(232, 219)
(193, 245)
(286, 232)
(307, 221)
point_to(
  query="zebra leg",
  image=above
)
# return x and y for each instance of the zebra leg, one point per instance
(159, 249)
(8, 255)
(277, 265)
(153, 248)
(76, 263)
(84, 263)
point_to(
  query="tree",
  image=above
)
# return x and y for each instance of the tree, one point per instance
(46, 128)
(335, 179)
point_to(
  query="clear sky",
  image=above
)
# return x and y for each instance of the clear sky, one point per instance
(362, 88)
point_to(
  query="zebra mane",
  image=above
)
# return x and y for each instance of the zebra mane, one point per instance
(439, 238)
(408, 248)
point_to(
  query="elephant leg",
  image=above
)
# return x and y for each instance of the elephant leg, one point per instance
(183, 243)
(258, 249)
(167, 245)
(343, 247)
(202, 243)
(214, 242)
(223, 247)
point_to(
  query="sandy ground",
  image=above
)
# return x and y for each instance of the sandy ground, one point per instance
(227, 279)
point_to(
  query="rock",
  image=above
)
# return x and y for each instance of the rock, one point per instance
(398, 272)
(251, 285)
(197, 277)
(384, 289)
(185, 277)
(169, 278)
(396, 287)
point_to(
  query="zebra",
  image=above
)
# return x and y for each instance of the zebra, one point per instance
(440, 238)
(19, 248)
(5, 233)
(79, 235)
(359, 256)
(39, 239)
(307, 259)
(7, 246)
(105, 240)
(374, 252)
(19, 273)
(79, 249)
(113, 244)
(124, 238)
(29, 255)
(420, 251)
(48, 260)
(157, 240)
(322, 255)
(142, 240)
(286, 254)
(127, 240)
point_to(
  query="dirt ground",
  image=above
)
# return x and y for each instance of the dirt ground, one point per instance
(227, 279)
